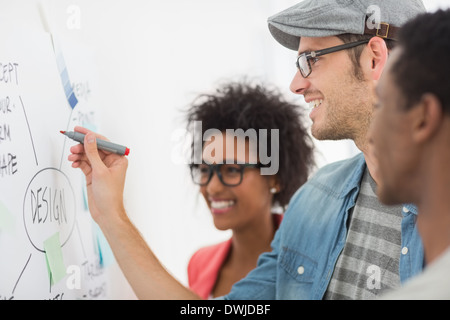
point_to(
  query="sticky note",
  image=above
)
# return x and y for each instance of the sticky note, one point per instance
(64, 74)
(6, 218)
(84, 193)
(105, 253)
(54, 258)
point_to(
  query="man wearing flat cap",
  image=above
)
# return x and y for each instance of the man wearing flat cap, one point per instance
(336, 241)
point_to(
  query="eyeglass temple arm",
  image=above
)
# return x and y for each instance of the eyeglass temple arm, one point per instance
(318, 53)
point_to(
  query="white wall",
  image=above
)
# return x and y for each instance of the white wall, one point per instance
(153, 57)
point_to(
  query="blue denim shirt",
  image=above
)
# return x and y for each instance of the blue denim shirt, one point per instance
(312, 235)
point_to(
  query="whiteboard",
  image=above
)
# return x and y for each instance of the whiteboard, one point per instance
(50, 248)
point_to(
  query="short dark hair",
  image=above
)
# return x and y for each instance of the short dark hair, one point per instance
(355, 53)
(423, 65)
(240, 105)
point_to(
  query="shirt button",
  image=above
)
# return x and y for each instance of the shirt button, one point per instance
(301, 270)
(404, 250)
(405, 210)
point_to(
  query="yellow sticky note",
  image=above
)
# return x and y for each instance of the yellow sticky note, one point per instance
(54, 258)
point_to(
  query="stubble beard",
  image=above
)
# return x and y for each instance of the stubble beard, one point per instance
(347, 114)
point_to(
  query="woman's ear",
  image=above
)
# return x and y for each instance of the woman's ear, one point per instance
(274, 184)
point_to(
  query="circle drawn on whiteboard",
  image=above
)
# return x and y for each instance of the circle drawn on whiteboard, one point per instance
(49, 207)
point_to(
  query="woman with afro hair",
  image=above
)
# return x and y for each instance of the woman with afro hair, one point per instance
(240, 197)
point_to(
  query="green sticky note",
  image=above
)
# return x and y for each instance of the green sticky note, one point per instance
(6, 218)
(54, 258)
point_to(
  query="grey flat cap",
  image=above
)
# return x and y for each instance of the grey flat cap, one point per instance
(322, 18)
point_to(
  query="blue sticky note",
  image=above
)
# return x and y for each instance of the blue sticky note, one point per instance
(85, 196)
(65, 79)
(72, 100)
(105, 253)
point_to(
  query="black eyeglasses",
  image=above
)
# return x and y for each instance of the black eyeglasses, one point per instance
(229, 174)
(305, 60)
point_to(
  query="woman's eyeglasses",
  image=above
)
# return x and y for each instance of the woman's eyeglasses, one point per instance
(230, 175)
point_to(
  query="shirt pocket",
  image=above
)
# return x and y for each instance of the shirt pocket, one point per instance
(299, 266)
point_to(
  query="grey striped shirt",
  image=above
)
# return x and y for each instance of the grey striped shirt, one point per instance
(369, 262)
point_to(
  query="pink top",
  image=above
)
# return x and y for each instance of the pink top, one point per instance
(205, 264)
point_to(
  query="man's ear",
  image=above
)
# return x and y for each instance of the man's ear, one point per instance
(377, 55)
(427, 117)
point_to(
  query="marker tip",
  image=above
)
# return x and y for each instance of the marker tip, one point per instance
(62, 132)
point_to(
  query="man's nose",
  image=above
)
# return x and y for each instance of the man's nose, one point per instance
(299, 84)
